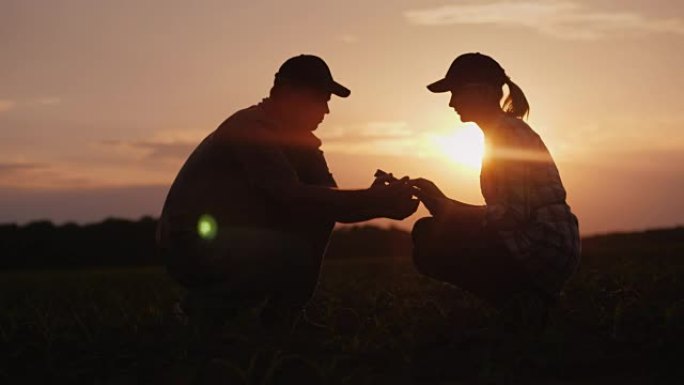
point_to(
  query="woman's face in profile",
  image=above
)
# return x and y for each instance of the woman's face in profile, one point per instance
(472, 101)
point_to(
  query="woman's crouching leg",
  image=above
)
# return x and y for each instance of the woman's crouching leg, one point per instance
(426, 256)
(468, 257)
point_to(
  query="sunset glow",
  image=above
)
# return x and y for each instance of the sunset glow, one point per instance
(464, 146)
(102, 102)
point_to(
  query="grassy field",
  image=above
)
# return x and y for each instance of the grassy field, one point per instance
(621, 321)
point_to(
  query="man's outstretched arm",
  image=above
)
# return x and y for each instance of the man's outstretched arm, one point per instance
(269, 171)
(380, 201)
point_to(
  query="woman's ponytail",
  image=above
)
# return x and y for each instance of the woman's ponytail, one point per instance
(516, 104)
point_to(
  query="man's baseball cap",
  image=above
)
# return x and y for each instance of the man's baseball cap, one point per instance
(470, 68)
(311, 71)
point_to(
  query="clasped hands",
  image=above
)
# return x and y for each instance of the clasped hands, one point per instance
(400, 197)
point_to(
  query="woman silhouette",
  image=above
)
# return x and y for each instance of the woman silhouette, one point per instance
(524, 243)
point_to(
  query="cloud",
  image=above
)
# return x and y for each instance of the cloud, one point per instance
(367, 131)
(172, 150)
(559, 19)
(39, 176)
(348, 38)
(6, 105)
(391, 138)
(378, 137)
(394, 137)
(169, 144)
(15, 167)
(156, 149)
(48, 101)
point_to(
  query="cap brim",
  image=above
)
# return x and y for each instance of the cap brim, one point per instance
(339, 90)
(441, 85)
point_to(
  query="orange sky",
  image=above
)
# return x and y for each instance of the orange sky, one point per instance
(100, 102)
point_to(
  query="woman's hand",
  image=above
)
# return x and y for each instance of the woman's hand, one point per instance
(436, 206)
(427, 188)
(432, 197)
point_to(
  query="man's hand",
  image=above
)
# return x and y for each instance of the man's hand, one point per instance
(395, 199)
(383, 178)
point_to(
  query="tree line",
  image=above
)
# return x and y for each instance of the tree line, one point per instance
(120, 242)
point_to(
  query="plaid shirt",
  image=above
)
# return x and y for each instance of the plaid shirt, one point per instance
(526, 204)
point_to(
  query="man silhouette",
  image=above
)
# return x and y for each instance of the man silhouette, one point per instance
(249, 215)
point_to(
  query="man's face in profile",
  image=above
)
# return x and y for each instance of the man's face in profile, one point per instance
(309, 108)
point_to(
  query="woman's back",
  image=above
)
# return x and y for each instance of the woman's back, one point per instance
(526, 203)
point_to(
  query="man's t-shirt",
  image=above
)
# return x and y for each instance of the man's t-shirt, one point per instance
(236, 176)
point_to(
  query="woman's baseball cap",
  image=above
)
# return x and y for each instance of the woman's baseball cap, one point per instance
(470, 68)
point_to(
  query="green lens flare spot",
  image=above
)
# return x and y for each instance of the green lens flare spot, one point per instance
(207, 227)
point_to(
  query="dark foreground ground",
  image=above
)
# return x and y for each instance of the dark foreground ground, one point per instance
(621, 321)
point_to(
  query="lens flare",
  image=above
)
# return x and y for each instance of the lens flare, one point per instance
(465, 146)
(207, 227)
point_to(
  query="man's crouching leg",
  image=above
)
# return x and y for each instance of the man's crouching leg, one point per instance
(240, 269)
(276, 267)
(292, 283)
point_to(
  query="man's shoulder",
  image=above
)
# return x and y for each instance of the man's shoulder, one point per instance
(250, 122)
(253, 116)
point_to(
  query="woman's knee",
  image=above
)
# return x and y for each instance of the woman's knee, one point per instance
(424, 261)
(421, 263)
(422, 228)
(421, 246)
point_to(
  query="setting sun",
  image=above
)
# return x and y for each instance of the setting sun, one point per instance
(464, 146)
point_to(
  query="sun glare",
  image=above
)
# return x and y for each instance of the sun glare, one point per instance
(464, 146)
